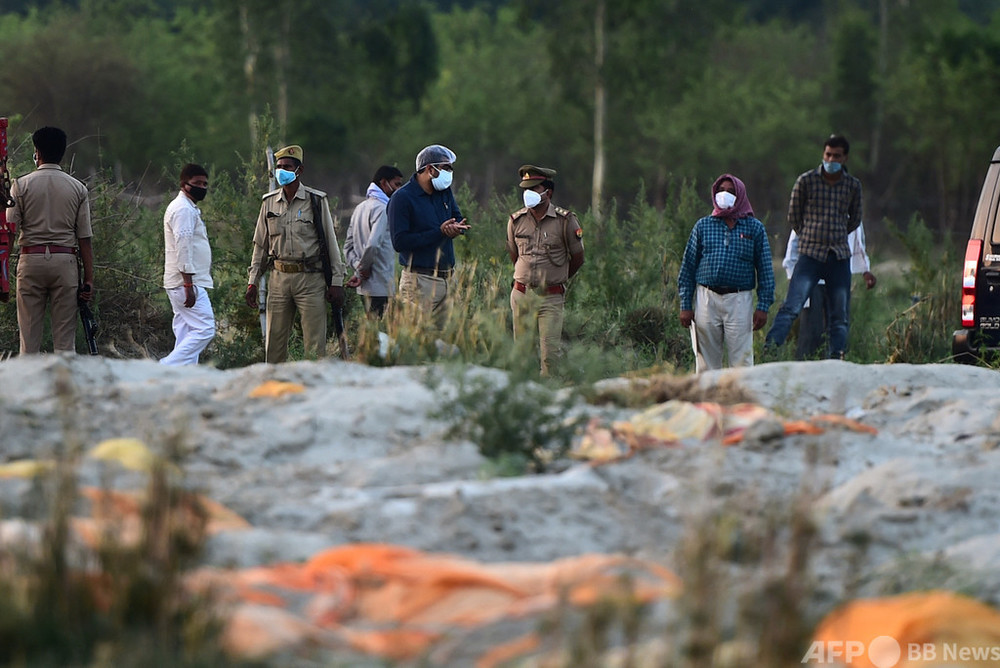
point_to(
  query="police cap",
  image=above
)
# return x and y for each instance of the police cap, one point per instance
(293, 151)
(532, 175)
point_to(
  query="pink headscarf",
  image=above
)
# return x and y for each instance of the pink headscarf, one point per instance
(741, 208)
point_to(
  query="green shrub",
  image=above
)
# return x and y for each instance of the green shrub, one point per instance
(519, 424)
(921, 332)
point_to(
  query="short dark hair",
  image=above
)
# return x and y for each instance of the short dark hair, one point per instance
(838, 141)
(191, 170)
(50, 143)
(386, 173)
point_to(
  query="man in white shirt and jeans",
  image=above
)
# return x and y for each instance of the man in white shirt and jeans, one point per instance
(187, 269)
(813, 334)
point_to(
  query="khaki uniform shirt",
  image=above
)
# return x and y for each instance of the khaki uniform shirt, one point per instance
(543, 247)
(50, 208)
(285, 232)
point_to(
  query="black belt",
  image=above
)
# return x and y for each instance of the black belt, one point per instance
(431, 271)
(723, 291)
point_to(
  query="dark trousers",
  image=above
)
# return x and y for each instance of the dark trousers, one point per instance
(807, 273)
(813, 341)
(376, 306)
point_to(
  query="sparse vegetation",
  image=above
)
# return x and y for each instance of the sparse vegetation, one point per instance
(621, 309)
(155, 72)
(520, 424)
(119, 602)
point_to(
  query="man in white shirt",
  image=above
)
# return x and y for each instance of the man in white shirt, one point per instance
(813, 339)
(187, 269)
(368, 245)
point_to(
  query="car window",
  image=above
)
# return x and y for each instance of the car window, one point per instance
(992, 226)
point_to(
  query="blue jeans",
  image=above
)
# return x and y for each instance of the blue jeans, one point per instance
(808, 271)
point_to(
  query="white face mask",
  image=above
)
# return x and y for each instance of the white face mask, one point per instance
(443, 180)
(531, 199)
(725, 200)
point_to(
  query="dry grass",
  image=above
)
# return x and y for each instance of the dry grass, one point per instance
(121, 603)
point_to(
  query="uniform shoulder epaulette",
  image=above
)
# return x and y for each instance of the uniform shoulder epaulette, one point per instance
(314, 191)
(271, 193)
(566, 213)
(520, 212)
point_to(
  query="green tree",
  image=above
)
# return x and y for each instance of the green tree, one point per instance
(756, 113)
(54, 73)
(944, 102)
(854, 99)
(495, 102)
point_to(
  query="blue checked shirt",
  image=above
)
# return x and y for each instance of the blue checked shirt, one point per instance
(719, 257)
(823, 214)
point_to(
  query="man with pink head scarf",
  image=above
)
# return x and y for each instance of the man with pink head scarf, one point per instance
(727, 256)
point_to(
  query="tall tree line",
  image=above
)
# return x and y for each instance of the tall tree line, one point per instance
(627, 98)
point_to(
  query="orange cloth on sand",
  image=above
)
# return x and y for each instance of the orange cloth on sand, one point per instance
(396, 602)
(673, 422)
(935, 628)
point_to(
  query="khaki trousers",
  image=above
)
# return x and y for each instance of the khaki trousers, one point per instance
(43, 279)
(286, 293)
(547, 310)
(425, 296)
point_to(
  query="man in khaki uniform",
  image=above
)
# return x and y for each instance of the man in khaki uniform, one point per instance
(545, 243)
(52, 211)
(286, 241)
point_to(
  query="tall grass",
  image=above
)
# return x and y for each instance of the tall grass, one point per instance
(121, 604)
(621, 309)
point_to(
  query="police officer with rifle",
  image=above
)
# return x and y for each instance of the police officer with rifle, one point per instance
(295, 238)
(51, 212)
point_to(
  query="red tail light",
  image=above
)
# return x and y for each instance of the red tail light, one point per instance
(972, 254)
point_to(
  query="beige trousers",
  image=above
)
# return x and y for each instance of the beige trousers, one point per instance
(723, 323)
(286, 293)
(529, 309)
(44, 279)
(425, 296)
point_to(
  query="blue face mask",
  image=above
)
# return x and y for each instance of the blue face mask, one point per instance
(831, 167)
(284, 176)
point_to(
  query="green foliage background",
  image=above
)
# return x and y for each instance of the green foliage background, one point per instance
(693, 89)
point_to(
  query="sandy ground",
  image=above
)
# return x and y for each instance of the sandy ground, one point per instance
(356, 457)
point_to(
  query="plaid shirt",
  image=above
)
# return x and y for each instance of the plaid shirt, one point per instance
(823, 213)
(719, 257)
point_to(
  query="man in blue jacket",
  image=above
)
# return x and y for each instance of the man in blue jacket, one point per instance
(423, 220)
